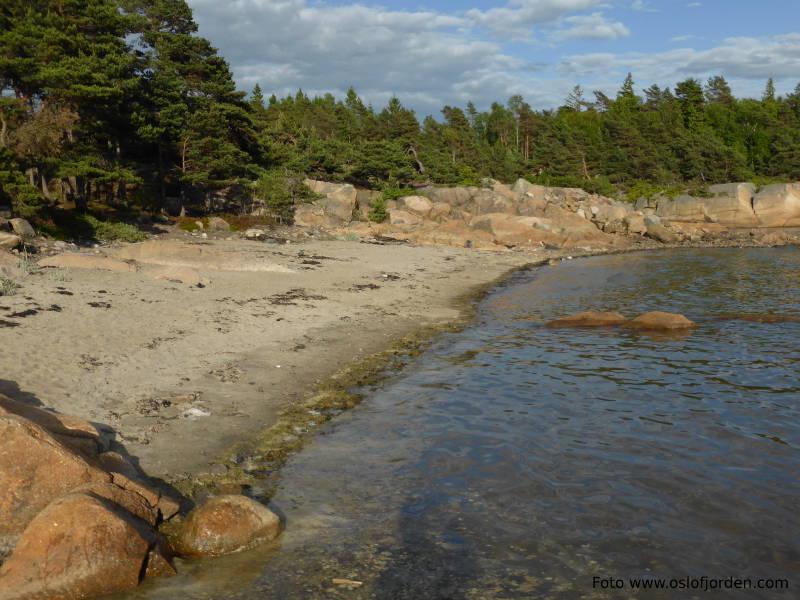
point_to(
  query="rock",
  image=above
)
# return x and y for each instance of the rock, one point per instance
(70, 431)
(778, 205)
(589, 319)
(682, 208)
(339, 201)
(226, 524)
(501, 189)
(22, 228)
(113, 462)
(35, 468)
(509, 230)
(731, 205)
(776, 238)
(659, 233)
(634, 221)
(488, 201)
(454, 196)
(658, 320)
(5, 224)
(610, 213)
(87, 261)
(440, 211)
(403, 217)
(415, 204)
(160, 250)
(255, 234)
(218, 224)
(9, 241)
(82, 545)
(310, 215)
(186, 275)
(523, 186)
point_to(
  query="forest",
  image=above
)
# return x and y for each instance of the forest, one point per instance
(121, 104)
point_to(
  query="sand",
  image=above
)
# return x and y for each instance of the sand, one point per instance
(177, 374)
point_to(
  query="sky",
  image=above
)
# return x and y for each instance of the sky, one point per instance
(432, 53)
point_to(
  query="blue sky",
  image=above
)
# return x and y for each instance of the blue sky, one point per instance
(441, 52)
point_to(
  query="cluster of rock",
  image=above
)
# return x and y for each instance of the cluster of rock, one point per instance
(78, 520)
(731, 205)
(527, 215)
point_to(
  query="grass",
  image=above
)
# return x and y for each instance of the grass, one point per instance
(7, 287)
(57, 275)
(349, 237)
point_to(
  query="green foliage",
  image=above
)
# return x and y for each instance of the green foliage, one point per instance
(69, 225)
(599, 185)
(393, 192)
(468, 177)
(122, 103)
(281, 191)
(378, 214)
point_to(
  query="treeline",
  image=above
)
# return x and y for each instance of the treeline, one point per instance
(121, 103)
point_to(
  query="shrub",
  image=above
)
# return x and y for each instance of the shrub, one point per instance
(7, 287)
(379, 214)
(281, 191)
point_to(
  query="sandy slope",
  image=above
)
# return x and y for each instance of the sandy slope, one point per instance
(111, 346)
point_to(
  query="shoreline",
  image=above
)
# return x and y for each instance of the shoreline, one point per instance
(251, 403)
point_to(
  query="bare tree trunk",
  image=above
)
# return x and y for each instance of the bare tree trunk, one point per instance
(413, 151)
(585, 168)
(3, 130)
(45, 190)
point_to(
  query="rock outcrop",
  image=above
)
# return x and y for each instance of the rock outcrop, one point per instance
(84, 544)
(87, 261)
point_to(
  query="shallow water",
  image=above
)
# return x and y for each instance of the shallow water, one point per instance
(515, 461)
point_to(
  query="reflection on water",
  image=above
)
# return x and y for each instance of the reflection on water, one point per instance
(517, 461)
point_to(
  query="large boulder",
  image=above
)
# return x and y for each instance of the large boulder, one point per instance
(682, 208)
(339, 201)
(415, 204)
(218, 224)
(589, 319)
(440, 211)
(22, 228)
(35, 468)
(487, 201)
(454, 196)
(510, 230)
(226, 524)
(657, 320)
(87, 261)
(658, 232)
(82, 545)
(403, 217)
(778, 205)
(731, 204)
(634, 221)
(9, 241)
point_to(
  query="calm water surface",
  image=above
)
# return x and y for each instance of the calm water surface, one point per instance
(515, 461)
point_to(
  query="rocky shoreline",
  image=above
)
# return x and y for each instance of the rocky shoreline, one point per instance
(204, 362)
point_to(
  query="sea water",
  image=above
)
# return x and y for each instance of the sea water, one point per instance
(512, 460)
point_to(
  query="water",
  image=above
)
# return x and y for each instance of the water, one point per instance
(515, 461)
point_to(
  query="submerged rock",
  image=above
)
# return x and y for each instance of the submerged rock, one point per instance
(589, 319)
(226, 524)
(660, 321)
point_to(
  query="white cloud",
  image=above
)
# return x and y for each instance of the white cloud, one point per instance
(746, 62)
(643, 6)
(516, 20)
(694, 5)
(591, 27)
(682, 38)
(429, 58)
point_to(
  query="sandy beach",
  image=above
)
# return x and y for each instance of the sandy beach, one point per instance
(177, 374)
